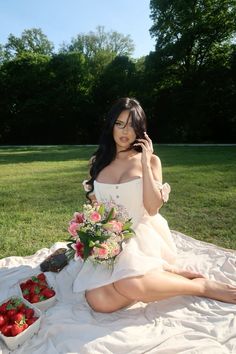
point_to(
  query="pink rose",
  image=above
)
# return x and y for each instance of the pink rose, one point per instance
(95, 216)
(116, 251)
(114, 226)
(102, 252)
(73, 229)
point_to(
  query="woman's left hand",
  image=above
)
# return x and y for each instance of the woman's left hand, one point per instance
(147, 149)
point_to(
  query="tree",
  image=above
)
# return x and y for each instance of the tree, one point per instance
(71, 83)
(2, 54)
(188, 76)
(100, 41)
(24, 99)
(191, 32)
(117, 80)
(31, 41)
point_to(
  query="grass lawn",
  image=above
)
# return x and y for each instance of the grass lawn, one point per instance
(40, 188)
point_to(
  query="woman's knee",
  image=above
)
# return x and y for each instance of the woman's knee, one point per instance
(132, 288)
(96, 301)
(106, 299)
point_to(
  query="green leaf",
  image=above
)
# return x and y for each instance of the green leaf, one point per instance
(110, 215)
(101, 209)
(128, 235)
(37, 290)
(83, 236)
(87, 250)
(35, 279)
(127, 225)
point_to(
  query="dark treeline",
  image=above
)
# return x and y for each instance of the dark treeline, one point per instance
(187, 86)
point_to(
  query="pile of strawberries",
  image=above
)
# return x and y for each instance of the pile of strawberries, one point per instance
(15, 317)
(36, 289)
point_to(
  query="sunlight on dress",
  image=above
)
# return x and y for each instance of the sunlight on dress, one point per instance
(151, 248)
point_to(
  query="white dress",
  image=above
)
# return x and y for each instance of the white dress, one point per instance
(149, 249)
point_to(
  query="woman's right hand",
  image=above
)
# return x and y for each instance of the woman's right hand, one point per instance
(147, 149)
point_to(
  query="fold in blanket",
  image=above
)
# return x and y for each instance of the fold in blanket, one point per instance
(183, 324)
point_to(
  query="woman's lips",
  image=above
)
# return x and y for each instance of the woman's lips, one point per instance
(124, 139)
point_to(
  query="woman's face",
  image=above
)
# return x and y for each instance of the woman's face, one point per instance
(123, 132)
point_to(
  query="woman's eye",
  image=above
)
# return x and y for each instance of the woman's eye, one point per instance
(119, 124)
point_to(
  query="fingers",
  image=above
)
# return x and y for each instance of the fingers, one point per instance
(147, 137)
(146, 144)
(142, 144)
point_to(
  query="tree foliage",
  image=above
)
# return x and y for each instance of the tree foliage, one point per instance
(31, 41)
(191, 32)
(190, 73)
(100, 41)
(187, 86)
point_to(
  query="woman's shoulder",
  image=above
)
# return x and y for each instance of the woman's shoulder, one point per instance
(156, 168)
(155, 161)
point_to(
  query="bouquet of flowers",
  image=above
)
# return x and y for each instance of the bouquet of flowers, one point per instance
(98, 232)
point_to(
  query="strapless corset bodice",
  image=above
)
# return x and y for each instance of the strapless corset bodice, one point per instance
(129, 194)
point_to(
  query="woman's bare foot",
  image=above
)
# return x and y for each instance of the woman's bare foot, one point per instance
(217, 291)
(183, 272)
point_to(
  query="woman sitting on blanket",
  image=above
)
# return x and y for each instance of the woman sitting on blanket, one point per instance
(125, 169)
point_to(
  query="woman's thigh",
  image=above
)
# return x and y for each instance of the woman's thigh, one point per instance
(106, 299)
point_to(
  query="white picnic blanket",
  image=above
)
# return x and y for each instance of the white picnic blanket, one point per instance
(183, 324)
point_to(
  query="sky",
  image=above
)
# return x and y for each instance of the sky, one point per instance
(61, 20)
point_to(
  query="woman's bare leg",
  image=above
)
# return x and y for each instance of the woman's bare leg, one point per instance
(107, 299)
(154, 286)
(159, 285)
(184, 272)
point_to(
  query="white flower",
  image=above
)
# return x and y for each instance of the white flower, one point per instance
(86, 186)
(165, 191)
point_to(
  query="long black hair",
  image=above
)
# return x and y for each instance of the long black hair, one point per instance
(106, 151)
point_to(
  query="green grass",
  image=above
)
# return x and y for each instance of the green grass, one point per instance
(40, 188)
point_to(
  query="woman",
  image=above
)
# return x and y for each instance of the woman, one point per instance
(125, 169)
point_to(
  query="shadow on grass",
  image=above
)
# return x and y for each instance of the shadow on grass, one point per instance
(170, 155)
(9, 155)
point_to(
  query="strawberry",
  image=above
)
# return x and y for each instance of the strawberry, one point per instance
(29, 282)
(3, 308)
(21, 307)
(34, 289)
(11, 313)
(2, 321)
(23, 286)
(16, 329)
(27, 297)
(31, 320)
(25, 325)
(6, 330)
(41, 277)
(35, 298)
(42, 286)
(48, 293)
(19, 318)
(29, 313)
